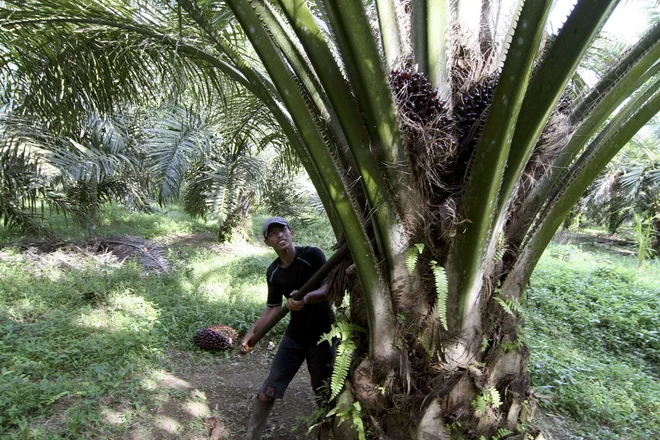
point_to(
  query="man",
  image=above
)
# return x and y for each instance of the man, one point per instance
(310, 318)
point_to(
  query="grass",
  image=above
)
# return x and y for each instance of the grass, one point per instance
(115, 220)
(72, 337)
(77, 341)
(83, 346)
(592, 326)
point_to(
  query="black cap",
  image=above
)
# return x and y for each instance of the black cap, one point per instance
(273, 221)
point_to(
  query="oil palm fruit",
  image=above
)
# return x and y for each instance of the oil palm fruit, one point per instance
(217, 337)
(418, 99)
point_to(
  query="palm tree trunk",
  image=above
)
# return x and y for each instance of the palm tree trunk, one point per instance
(93, 200)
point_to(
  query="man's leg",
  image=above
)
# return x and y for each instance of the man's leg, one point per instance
(319, 364)
(287, 361)
(262, 407)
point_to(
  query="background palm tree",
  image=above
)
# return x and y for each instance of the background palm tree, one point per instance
(629, 185)
(417, 127)
(217, 162)
(146, 151)
(73, 173)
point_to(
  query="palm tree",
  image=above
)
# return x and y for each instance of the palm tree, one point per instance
(629, 185)
(73, 173)
(93, 159)
(217, 159)
(416, 129)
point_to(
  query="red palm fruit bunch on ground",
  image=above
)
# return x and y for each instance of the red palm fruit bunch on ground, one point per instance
(217, 337)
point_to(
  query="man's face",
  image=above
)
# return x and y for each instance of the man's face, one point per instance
(279, 237)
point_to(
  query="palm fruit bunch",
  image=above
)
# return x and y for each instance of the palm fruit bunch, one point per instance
(217, 337)
(472, 108)
(470, 114)
(417, 98)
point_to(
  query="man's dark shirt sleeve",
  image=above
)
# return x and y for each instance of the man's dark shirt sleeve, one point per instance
(274, 296)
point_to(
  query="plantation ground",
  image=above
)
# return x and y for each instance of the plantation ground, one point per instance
(223, 389)
(169, 399)
(93, 346)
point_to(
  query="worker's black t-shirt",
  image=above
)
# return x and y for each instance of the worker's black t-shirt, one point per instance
(309, 323)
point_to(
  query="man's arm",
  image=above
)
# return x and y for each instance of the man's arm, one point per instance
(315, 296)
(264, 318)
(317, 259)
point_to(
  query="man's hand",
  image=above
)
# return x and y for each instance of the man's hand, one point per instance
(294, 305)
(245, 343)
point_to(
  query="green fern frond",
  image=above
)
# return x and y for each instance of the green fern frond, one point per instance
(344, 332)
(357, 421)
(505, 306)
(488, 398)
(412, 255)
(441, 289)
(514, 305)
(510, 305)
(350, 412)
(411, 259)
(494, 398)
(500, 249)
(341, 367)
(479, 404)
(510, 346)
(484, 345)
(501, 433)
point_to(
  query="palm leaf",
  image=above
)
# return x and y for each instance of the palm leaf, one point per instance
(173, 144)
(52, 44)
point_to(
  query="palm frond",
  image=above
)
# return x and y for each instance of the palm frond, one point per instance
(16, 218)
(132, 49)
(25, 192)
(631, 181)
(173, 144)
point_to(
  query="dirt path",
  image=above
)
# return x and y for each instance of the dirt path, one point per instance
(225, 390)
(229, 385)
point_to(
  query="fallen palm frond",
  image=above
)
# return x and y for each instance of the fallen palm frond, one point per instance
(149, 255)
(108, 251)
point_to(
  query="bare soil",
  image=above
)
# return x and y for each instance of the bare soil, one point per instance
(226, 392)
(228, 388)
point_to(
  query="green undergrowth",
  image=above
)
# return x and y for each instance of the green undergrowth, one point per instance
(84, 343)
(76, 342)
(593, 327)
(115, 220)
